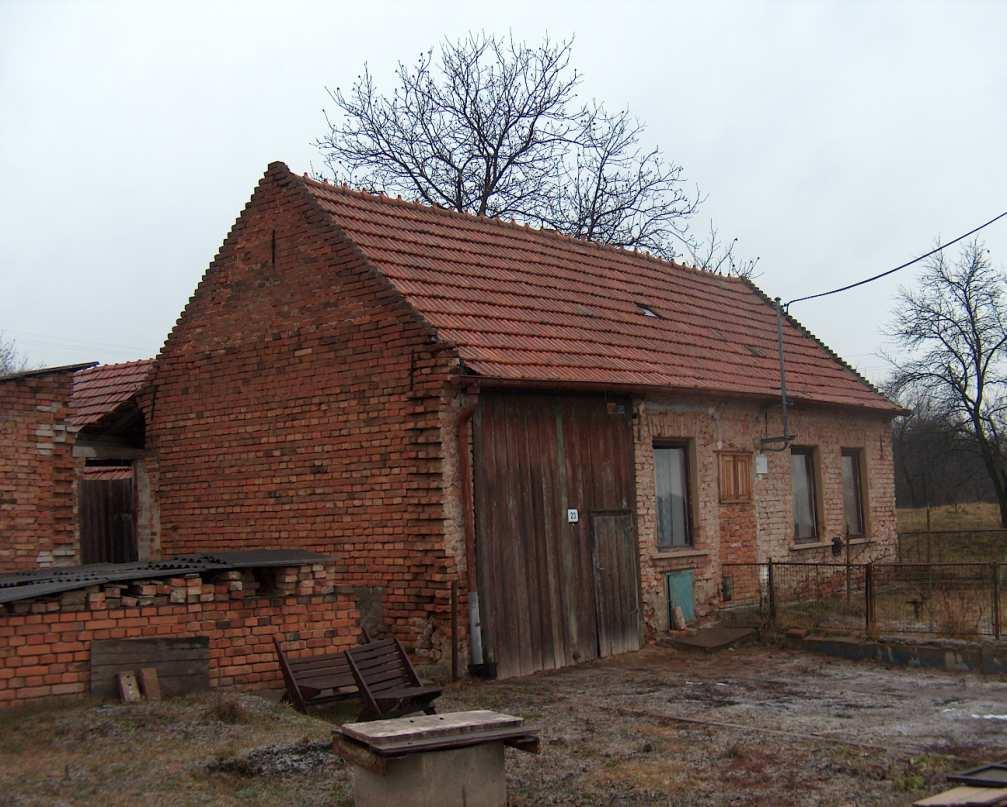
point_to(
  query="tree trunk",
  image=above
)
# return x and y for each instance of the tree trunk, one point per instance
(996, 477)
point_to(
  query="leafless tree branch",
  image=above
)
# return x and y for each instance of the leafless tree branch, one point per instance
(954, 332)
(11, 359)
(493, 126)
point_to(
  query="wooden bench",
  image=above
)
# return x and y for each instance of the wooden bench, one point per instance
(315, 680)
(387, 681)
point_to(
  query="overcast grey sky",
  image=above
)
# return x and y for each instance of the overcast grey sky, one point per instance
(836, 140)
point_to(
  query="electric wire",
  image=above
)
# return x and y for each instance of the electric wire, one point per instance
(897, 268)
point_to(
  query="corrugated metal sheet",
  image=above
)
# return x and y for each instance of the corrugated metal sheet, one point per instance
(45, 582)
(523, 305)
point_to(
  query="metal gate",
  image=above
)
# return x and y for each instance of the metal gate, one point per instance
(107, 533)
(556, 542)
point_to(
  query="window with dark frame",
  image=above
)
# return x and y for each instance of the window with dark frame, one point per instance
(802, 472)
(671, 470)
(735, 476)
(853, 492)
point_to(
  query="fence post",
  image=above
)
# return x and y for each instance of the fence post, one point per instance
(772, 594)
(996, 601)
(869, 599)
(849, 582)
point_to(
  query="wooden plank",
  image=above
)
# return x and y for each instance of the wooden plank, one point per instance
(966, 797)
(383, 733)
(524, 583)
(575, 458)
(518, 737)
(182, 664)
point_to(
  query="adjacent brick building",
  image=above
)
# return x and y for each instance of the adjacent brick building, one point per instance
(38, 511)
(430, 398)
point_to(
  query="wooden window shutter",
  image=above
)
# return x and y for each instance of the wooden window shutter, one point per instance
(735, 477)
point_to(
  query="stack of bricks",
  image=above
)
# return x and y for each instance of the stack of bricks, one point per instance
(45, 643)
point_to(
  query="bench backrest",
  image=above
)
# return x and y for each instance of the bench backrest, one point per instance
(382, 665)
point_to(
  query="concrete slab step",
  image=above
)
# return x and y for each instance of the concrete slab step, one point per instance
(710, 639)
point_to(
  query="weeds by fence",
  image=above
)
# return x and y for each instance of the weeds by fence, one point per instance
(953, 546)
(942, 599)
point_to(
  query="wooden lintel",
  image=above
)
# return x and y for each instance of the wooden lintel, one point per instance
(107, 451)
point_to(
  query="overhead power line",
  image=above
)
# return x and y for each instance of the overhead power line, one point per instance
(865, 281)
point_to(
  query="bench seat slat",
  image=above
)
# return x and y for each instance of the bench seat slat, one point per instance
(312, 680)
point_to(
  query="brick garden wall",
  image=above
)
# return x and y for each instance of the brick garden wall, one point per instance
(297, 403)
(45, 645)
(763, 528)
(38, 522)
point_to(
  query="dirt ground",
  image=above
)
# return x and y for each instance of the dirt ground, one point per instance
(752, 726)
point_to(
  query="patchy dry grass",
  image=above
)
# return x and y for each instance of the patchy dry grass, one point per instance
(659, 727)
(181, 751)
(970, 516)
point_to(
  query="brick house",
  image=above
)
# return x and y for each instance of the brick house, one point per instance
(71, 466)
(567, 431)
(573, 434)
(38, 524)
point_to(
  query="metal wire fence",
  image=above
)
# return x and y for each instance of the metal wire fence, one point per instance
(940, 599)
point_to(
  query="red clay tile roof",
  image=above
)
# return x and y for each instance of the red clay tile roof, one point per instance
(525, 305)
(99, 390)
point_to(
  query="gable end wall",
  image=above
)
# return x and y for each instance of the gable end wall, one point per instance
(297, 404)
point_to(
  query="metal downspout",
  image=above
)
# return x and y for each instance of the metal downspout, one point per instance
(468, 516)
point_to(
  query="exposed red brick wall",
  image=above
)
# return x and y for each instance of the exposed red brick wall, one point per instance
(763, 528)
(297, 404)
(46, 652)
(38, 523)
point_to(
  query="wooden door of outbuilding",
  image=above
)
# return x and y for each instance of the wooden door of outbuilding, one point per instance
(107, 533)
(554, 489)
(616, 575)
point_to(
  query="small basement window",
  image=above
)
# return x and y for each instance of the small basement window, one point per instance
(647, 311)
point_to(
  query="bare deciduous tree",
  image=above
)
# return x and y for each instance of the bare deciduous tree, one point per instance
(493, 127)
(955, 331)
(11, 359)
(936, 463)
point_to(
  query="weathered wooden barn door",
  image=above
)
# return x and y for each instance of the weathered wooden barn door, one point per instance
(616, 581)
(537, 457)
(106, 521)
